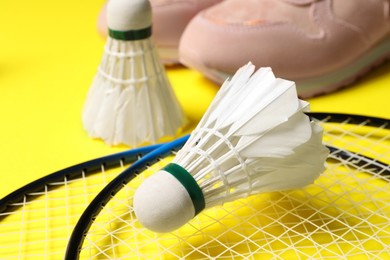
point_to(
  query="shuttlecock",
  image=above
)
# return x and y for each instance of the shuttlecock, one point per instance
(253, 138)
(130, 100)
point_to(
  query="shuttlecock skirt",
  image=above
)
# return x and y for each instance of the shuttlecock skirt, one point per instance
(131, 100)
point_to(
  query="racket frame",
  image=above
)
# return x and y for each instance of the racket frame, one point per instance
(81, 229)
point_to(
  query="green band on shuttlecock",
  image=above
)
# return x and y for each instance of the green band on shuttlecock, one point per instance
(189, 183)
(131, 35)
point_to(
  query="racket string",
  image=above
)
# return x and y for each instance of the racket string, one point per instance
(50, 215)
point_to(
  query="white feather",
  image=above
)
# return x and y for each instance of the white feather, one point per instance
(256, 138)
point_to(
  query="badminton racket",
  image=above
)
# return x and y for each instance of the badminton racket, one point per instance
(344, 214)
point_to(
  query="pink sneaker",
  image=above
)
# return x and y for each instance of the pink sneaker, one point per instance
(321, 44)
(170, 17)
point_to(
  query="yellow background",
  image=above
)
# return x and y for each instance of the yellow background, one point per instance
(49, 52)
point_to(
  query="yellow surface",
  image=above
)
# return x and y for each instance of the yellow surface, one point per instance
(49, 52)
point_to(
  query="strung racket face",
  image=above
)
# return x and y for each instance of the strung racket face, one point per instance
(37, 220)
(344, 214)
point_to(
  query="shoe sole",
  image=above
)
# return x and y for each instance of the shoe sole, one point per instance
(320, 85)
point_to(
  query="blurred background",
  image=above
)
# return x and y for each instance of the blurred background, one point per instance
(49, 53)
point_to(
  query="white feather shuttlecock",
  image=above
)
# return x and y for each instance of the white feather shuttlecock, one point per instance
(253, 138)
(131, 100)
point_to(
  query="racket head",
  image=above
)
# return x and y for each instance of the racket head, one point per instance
(345, 213)
(37, 219)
